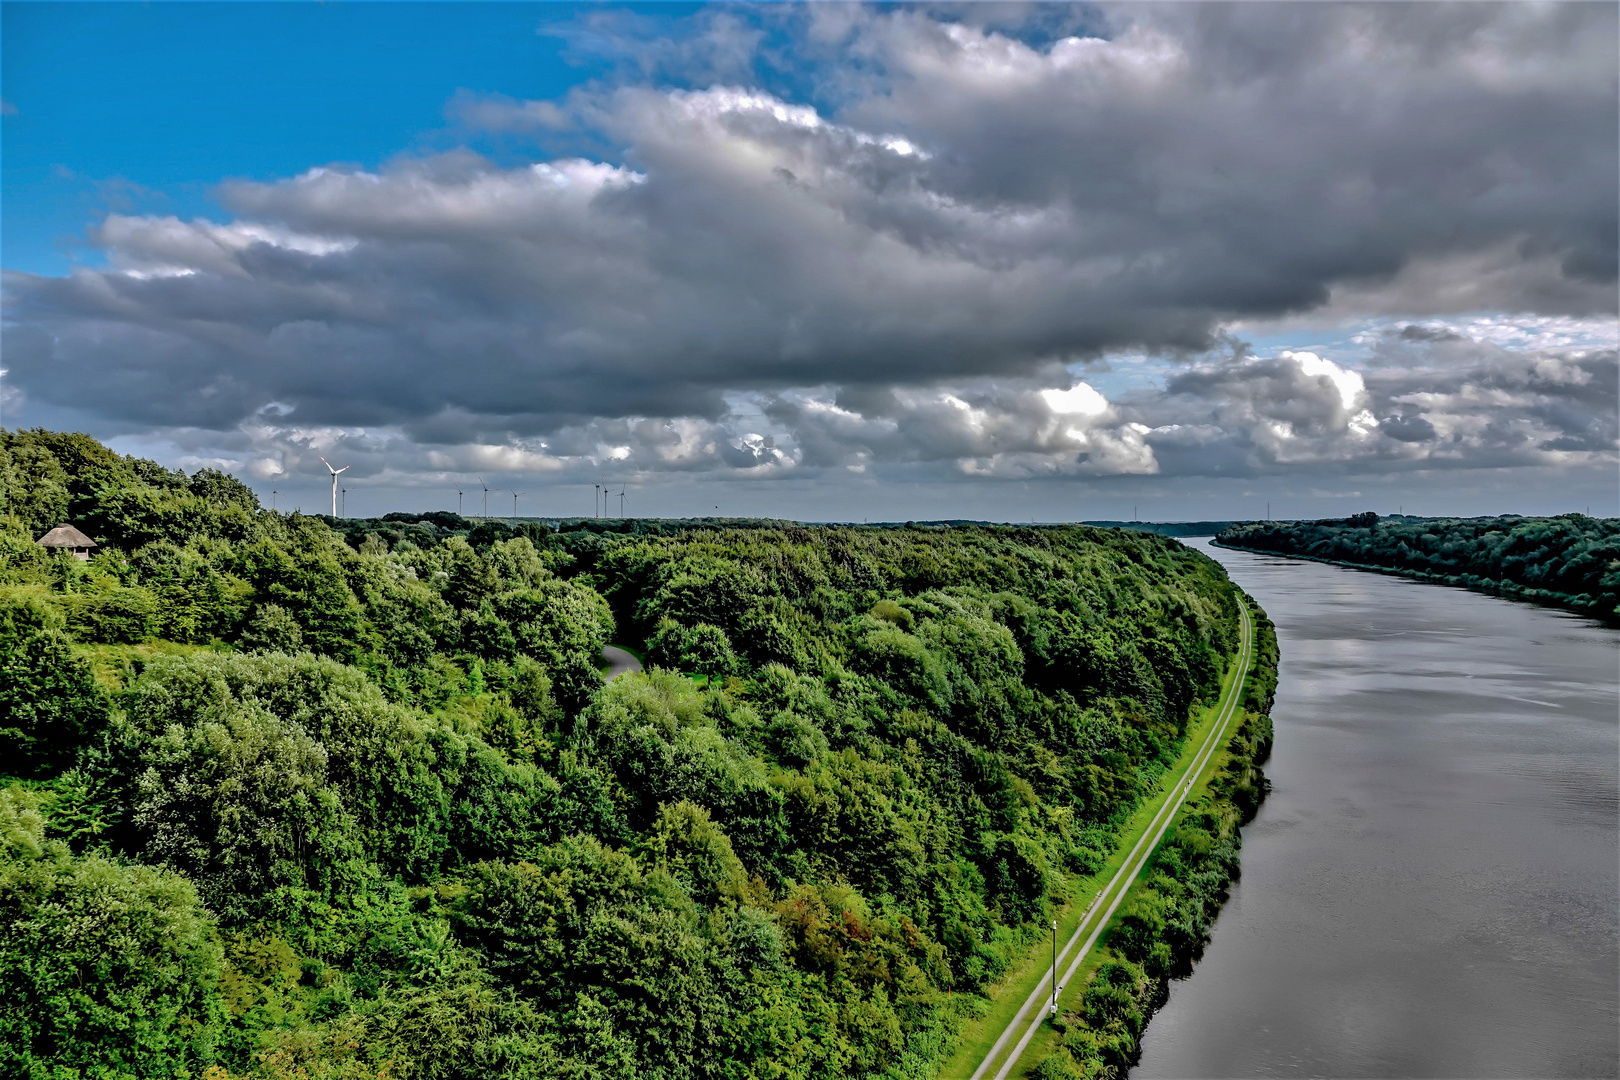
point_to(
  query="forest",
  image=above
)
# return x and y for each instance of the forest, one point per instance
(290, 797)
(1570, 561)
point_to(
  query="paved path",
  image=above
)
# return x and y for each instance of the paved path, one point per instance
(1127, 873)
(619, 661)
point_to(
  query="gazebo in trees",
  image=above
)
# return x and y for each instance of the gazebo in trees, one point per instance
(67, 538)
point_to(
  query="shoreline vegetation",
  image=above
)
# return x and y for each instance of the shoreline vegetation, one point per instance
(303, 799)
(1571, 561)
(1160, 931)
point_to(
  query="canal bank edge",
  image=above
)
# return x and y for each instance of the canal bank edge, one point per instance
(1243, 685)
(1506, 590)
(1161, 929)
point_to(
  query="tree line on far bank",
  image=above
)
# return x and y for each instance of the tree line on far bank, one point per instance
(1571, 561)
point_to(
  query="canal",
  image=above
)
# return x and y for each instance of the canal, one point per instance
(1432, 889)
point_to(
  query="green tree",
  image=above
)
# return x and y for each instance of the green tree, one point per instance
(124, 615)
(36, 486)
(50, 705)
(271, 628)
(689, 847)
(106, 969)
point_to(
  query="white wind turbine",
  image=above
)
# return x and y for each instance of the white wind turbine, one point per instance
(486, 495)
(515, 495)
(334, 473)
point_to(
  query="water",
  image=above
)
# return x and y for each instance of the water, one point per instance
(1433, 886)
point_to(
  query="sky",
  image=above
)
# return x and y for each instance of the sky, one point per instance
(825, 262)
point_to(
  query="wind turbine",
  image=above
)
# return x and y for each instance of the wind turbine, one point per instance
(458, 502)
(273, 494)
(621, 500)
(334, 473)
(345, 503)
(515, 495)
(596, 501)
(486, 496)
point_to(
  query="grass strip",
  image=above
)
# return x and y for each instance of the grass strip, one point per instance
(985, 1039)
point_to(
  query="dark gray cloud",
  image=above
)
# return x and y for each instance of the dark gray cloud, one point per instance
(1457, 402)
(1415, 332)
(746, 283)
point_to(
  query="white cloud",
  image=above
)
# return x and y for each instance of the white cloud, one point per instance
(1079, 399)
(904, 280)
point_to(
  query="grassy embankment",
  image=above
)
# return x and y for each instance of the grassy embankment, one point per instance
(1086, 895)
(1099, 1038)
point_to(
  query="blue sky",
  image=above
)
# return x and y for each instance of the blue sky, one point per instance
(825, 262)
(149, 106)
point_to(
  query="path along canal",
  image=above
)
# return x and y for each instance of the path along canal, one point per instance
(1433, 886)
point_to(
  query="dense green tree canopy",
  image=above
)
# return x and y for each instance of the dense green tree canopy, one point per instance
(359, 791)
(1572, 561)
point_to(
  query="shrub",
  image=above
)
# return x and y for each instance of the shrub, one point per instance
(120, 616)
(702, 649)
(1057, 1065)
(50, 704)
(271, 628)
(106, 969)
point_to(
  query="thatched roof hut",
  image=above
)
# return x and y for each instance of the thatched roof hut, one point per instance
(67, 538)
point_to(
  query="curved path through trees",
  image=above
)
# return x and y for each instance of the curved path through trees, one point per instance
(620, 662)
(1022, 1023)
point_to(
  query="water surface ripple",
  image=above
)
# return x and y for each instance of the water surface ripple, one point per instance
(1432, 888)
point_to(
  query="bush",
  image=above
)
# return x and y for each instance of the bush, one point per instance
(1057, 1065)
(120, 616)
(271, 628)
(693, 850)
(22, 829)
(50, 704)
(105, 970)
(702, 649)
(1016, 872)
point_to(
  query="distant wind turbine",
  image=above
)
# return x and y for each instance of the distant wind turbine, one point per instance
(334, 473)
(621, 501)
(458, 502)
(273, 494)
(345, 503)
(596, 501)
(486, 496)
(515, 495)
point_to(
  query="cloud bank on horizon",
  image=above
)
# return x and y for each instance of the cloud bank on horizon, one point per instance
(972, 245)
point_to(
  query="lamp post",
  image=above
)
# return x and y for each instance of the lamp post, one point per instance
(1054, 968)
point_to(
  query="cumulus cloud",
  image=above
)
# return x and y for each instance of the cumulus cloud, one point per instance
(911, 272)
(979, 429)
(1459, 402)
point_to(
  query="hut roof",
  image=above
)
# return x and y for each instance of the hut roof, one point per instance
(66, 536)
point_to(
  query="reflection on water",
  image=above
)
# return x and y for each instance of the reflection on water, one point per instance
(1433, 886)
